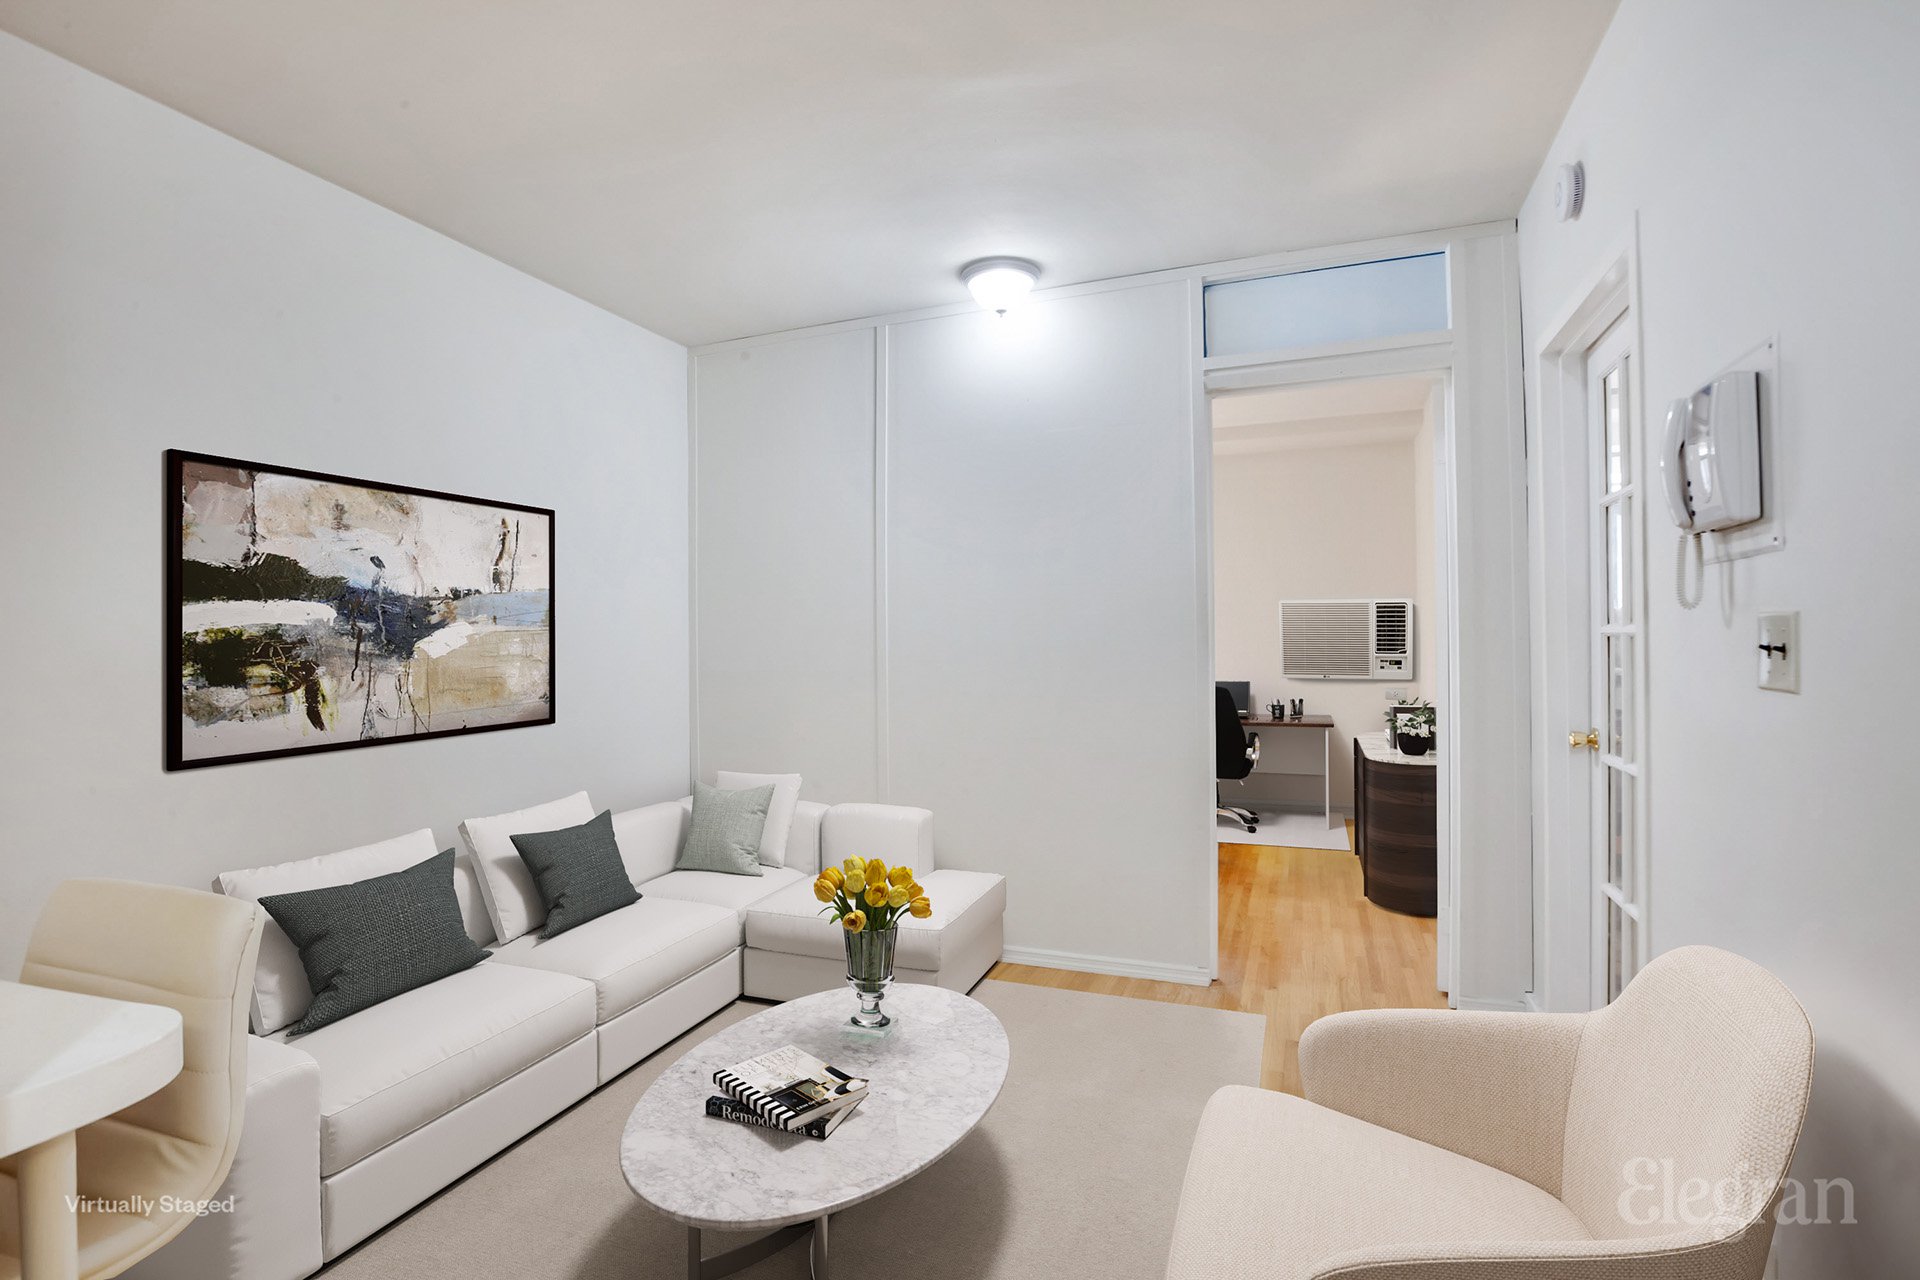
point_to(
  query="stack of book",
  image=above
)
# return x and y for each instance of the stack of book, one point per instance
(788, 1089)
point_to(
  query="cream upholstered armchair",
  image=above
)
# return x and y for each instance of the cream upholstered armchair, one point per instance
(153, 944)
(1435, 1145)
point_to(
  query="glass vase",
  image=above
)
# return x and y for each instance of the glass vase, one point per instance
(870, 973)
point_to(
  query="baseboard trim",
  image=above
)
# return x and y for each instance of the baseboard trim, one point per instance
(1113, 966)
(1485, 1004)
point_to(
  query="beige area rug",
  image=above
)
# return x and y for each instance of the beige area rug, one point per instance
(1075, 1171)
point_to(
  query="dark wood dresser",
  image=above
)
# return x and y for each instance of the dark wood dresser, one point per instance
(1395, 826)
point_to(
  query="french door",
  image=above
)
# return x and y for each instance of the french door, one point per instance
(1616, 627)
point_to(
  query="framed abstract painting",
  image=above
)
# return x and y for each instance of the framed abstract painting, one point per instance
(312, 612)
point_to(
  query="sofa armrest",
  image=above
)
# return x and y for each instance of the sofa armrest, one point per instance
(896, 834)
(270, 1230)
(1489, 1086)
(803, 838)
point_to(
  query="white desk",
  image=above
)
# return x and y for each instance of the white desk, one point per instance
(67, 1060)
(1287, 744)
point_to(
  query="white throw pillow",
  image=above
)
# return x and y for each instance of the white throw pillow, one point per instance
(786, 794)
(281, 993)
(505, 883)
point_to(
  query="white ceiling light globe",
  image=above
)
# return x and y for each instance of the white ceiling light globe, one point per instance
(999, 283)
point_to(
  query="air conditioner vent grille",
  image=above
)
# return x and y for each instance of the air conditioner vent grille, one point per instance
(1390, 626)
(1346, 639)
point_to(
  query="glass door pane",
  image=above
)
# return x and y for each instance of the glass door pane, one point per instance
(1622, 948)
(1615, 664)
(1617, 737)
(1620, 831)
(1619, 562)
(1613, 409)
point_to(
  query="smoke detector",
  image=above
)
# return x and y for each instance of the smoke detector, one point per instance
(1570, 190)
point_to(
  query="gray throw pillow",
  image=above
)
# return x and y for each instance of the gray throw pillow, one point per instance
(577, 871)
(725, 835)
(372, 940)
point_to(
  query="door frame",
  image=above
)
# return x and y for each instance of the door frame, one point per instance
(1484, 954)
(1432, 359)
(1566, 891)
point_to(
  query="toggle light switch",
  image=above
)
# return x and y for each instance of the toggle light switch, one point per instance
(1779, 652)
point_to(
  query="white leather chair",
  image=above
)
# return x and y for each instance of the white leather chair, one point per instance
(1436, 1145)
(154, 944)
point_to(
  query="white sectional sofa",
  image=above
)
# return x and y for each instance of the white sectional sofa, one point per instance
(351, 1125)
(792, 950)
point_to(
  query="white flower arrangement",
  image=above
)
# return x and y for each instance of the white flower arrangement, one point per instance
(1414, 720)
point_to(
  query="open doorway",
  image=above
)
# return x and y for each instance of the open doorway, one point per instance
(1327, 606)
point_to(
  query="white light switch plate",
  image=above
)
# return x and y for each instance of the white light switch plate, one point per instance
(1396, 695)
(1779, 652)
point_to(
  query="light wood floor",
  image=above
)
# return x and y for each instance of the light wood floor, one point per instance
(1297, 940)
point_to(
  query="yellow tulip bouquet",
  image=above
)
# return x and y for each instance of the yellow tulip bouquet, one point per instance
(868, 898)
(867, 894)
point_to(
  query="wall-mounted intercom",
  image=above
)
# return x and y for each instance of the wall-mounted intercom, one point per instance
(1710, 465)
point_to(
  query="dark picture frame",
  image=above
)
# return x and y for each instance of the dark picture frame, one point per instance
(303, 624)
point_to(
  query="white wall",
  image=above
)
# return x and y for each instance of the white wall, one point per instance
(1758, 145)
(784, 606)
(1041, 593)
(1046, 690)
(1424, 482)
(1326, 522)
(977, 590)
(166, 286)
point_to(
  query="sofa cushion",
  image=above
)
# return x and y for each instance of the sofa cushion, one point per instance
(1282, 1189)
(512, 900)
(786, 794)
(281, 992)
(893, 833)
(650, 838)
(389, 1070)
(578, 872)
(725, 833)
(963, 901)
(374, 939)
(635, 953)
(735, 893)
(803, 838)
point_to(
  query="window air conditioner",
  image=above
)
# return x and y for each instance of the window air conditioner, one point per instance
(1346, 639)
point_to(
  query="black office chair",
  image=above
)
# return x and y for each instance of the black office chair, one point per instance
(1235, 752)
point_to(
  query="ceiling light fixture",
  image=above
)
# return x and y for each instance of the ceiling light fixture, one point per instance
(999, 283)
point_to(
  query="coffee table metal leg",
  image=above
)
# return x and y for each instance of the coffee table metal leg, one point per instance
(817, 1251)
(725, 1264)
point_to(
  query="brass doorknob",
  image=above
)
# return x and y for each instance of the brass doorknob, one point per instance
(1590, 739)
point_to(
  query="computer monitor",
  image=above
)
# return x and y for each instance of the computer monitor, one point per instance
(1242, 691)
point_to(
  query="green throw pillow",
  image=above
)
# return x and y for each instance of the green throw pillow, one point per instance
(726, 830)
(372, 940)
(577, 871)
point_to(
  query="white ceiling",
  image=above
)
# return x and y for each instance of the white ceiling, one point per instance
(713, 170)
(1326, 415)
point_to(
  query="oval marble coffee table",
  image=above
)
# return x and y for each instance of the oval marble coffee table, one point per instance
(932, 1076)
